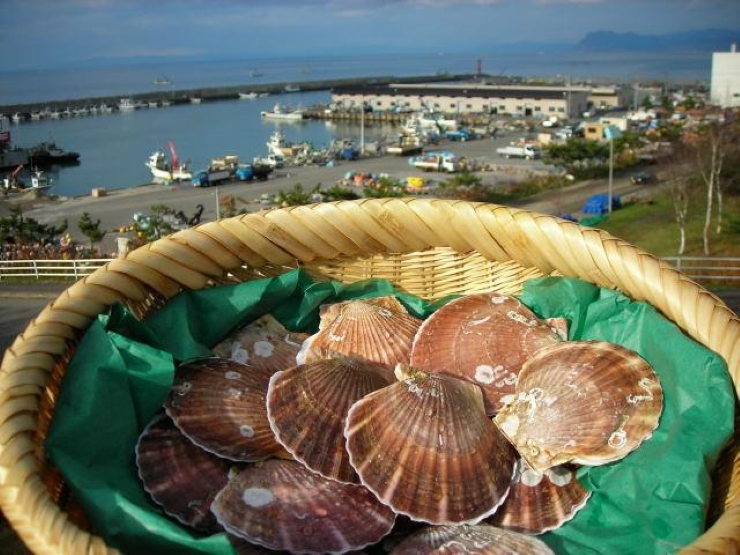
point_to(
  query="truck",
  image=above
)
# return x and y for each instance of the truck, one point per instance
(436, 162)
(529, 152)
(220, 169)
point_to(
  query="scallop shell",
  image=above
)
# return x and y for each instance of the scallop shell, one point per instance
(264, 344)
(178, 475)
(479, 539)
(379, 329)
(587, 402)
(483, 338)
(426, 448)
(539, 502)
(317, 396)
(281, 504)
(220, 405)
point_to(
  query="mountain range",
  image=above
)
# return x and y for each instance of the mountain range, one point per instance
(707, 40)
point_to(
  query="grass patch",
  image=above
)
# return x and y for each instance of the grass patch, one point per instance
(652, 227)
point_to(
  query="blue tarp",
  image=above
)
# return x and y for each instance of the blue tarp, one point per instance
(599, 204)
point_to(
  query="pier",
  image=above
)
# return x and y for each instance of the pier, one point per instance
(214, 94)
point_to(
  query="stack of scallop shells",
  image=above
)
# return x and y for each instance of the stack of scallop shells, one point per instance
(465, 429)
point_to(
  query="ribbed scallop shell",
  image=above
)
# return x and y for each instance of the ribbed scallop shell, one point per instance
(483, 338)
(379, 329)
(587, 402)
(427, 449)
(479, 539)
(264, 344)
(283, 505)
(317, 396)
(220, 405)
(540, 502)
(178, 475)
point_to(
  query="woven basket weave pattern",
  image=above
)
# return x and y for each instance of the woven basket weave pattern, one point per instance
(429, 248)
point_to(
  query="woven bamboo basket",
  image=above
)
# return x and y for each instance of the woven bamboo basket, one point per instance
(428, 248)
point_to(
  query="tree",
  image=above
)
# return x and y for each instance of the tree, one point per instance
(683, 187)
(90, 229)
(711, 149)
(22, 230)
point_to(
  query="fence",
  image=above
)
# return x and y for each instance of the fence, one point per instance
(43, 269)
(708, 268)
(701, 269)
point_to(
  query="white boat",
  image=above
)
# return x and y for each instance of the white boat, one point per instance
(280, 112)
(39, 180)
(127, 105)
(433, 120)
(195, 100)
(163, 170)
(247, 96)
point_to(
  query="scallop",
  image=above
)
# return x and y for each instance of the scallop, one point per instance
(586, 402)
(264, 344)
(221, 406)
(317, 396)
(541, 501)
(379, 329)
(282, 505)
(178, 475)
(479, 539)
(483, 338)
(426, 448)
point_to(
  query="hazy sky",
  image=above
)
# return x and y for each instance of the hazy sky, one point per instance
(48, 33)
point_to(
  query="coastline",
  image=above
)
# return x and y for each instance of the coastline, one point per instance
(116, 208)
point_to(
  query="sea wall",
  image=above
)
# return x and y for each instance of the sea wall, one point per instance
(211, 94)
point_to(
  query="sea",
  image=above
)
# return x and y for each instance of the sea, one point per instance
(114, 147)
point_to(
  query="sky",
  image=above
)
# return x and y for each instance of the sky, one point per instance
(38, 34)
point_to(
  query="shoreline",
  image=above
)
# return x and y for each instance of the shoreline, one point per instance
(116, 208)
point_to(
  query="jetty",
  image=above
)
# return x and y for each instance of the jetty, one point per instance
(214, 94)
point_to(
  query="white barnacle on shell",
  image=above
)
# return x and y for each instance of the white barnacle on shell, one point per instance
(263, 349)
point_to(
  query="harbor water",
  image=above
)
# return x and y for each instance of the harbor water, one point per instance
(114, 147)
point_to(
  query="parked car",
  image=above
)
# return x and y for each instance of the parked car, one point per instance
(642, 178)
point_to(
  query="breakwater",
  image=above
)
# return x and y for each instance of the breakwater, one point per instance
(213, 94)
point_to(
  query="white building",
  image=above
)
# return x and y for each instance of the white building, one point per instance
(456, 99)
(726, 78)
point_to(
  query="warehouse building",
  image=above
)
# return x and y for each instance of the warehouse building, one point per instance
(467, 98)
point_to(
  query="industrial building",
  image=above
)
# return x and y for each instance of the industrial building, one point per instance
(725, 85)
(563, 102)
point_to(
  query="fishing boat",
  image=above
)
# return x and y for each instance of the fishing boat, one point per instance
(247, 96)
(48, 153)
(280, 112)
(39, 180)
(127, 105)
(162, 170)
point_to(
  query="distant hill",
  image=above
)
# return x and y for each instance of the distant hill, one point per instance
(708, 40)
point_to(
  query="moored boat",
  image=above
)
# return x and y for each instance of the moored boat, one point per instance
(280, 112)
(163, 170)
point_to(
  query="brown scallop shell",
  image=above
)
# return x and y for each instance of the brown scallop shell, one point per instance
(540, 502)
(478, 539)
(220, 405)
(483, 338)
(264, 344)
(379, 329)
(178, 475)
(281, 504)
(317, 396)
(587, 402)
(426, 448)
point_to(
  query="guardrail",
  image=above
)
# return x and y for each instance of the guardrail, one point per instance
(707, 268)
(699, 268)
(42, 269)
